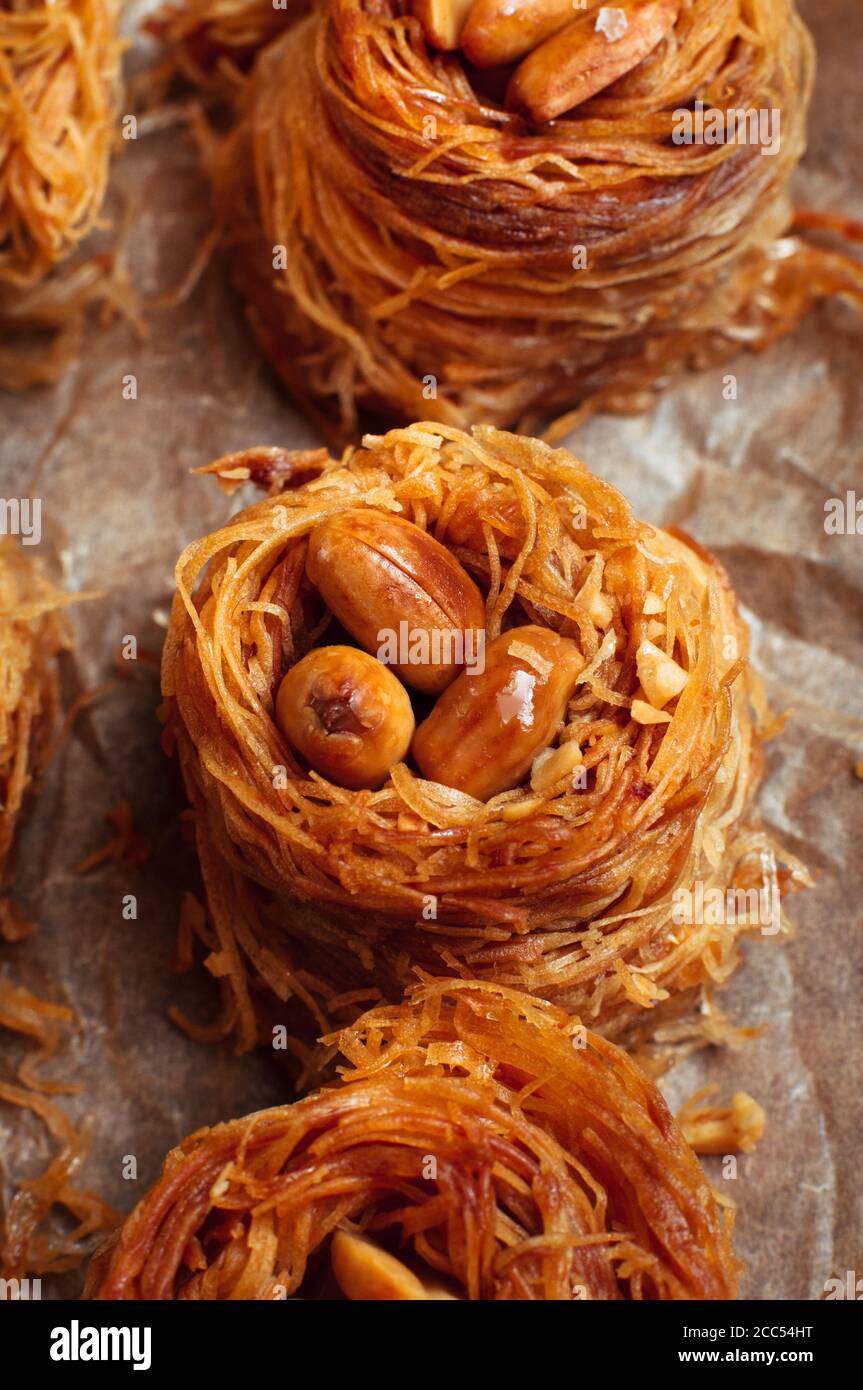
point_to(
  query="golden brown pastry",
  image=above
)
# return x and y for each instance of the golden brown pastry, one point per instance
(59, 82)
(590, 762)
(212, 42)
(480, 1145)
(33, 632)
(495, 213)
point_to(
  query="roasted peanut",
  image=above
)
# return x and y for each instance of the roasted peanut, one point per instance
(400, 593)
(661, 677)
(442, 20)
(485, 730)
(499, 31)
(346, 714)
(553, 764)
(582, 59)
(643, 713)
(366, 1273)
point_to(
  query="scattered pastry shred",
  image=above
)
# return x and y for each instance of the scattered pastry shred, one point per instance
(722, 1129)
(33, 1240)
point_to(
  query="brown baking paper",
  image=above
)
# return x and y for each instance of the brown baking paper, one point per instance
(748, 477)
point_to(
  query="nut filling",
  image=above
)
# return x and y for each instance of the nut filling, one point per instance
(338, 716)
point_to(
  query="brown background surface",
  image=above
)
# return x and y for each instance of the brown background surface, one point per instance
(748, 477)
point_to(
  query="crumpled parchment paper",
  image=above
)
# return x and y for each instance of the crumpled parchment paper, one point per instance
(747, 477)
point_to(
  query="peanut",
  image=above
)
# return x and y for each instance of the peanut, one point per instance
(653, 604)
(499, 31)
(580, 60)
(553, 764)
(486, 729)
(346, 714)
(643, 713)
(442, 20)
(365, 1273)
(599, 610)
(393, 585)
(661, 677)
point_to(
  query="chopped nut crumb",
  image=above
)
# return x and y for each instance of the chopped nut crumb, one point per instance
(599, 610)
(520, 810)
(553, 764)
(644, 713)
(612, 22)
(661, 677)
(722, 1129)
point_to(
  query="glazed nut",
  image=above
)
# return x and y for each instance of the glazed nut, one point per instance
(643, 713)
(346, 714)
(588, 55)
(399, 592)
(553, 764)
(661, 677)
(521, 809)
(365, 1273)
(653, 604)
(599, 609)
(442, 20)
(486, 730)
(499, 31)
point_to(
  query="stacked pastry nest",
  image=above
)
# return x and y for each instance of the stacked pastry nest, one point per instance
(33, 633)
(479, 1145)
(211, 43)
(494, 214)
(59, 74)
(576, 876)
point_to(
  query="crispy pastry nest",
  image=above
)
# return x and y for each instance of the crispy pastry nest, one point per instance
(33, 633)
(434, 243)
(319, 893)
(59, 76)
(211, 43)
(558, 1171)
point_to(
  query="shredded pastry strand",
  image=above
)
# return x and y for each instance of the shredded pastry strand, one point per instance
(32, 1240)
(582, 891)
(485, 1136)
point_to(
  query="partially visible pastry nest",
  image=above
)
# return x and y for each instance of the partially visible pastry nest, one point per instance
(33, 632)
(502, 214)
(480, 1145)
(59, 79)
